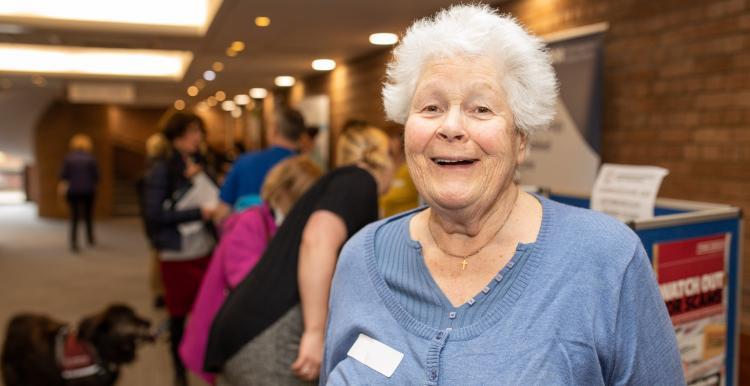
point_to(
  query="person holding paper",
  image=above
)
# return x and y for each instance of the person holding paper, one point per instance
(179, 199)
(489, 284)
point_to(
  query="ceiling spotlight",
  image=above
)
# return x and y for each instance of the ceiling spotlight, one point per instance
(38, 80)
(179, 104)
(237, 46)
(211, 101)
(284, 81)
(231, 53)
(258, 93)
(236, 113)
(241, 99)
(192, 91)
(217, 66)
(209, 75)
(201, 106)
(220, 96)
(262, 21)
(323, 64)
(228, 105)
(383, 39)
(200, 83)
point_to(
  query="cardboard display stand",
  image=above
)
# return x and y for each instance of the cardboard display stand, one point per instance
(696, 250)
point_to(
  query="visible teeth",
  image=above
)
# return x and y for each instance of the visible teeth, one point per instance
(440, 161)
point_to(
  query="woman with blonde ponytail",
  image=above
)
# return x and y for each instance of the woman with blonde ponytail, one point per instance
(270, 328)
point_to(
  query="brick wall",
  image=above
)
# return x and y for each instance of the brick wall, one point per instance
(676, 91)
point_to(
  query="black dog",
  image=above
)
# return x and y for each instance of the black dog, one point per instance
(40, 351)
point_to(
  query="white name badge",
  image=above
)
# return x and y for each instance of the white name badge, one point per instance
(375, 355)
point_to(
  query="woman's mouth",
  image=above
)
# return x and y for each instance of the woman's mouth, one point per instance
(454, 162)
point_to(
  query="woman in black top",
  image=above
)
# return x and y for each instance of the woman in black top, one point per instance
(78, 179)
(262, 335)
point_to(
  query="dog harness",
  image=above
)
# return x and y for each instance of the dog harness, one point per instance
(76, 358)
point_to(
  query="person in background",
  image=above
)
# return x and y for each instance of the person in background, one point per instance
(157, 149)
(243, 239)
(489, 285)
(78, 178)
(402, 195)
(179, 233)
(270, 329)
(241, 187)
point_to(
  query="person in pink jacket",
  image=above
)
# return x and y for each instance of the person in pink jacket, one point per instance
(243, 240)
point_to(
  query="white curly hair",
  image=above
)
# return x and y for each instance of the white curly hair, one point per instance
(528, 78)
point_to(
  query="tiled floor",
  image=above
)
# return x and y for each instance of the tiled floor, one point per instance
(39, 274)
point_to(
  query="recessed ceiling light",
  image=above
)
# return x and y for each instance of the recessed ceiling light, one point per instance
(220, 96)
(86, 61)
(192, 91)
(284, 81)
(237, 46)
(236, 113)
(231, 53)
(211, 101)
(258, 93)
(217, 66)
(262, 21)
(323, 64)
(228, 105)
(38, 80)
(200, 83)
(383, 39)
(241, 99)
(179, 104)
(209, 75)
(202, 106)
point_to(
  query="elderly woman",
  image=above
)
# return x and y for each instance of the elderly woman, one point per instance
(270, 329)
(488, 284)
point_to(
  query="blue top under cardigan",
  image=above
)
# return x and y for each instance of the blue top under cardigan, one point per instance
(582, 307)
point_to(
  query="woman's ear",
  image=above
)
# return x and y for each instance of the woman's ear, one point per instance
(522, 149)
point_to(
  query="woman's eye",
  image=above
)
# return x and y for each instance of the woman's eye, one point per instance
(430, 109)
(483, 110)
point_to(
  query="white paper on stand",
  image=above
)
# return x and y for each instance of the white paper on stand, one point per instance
(627, 192)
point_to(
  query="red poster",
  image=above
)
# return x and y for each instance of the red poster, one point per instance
(691, 276)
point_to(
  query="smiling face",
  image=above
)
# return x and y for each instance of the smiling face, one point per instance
(460, 142)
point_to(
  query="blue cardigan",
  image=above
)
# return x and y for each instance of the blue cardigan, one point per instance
(584, 309)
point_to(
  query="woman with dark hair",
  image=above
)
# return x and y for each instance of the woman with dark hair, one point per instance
(179, 199)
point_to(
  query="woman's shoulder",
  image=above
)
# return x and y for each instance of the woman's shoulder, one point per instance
(377, 232)
(571, 219)
(590, 233)
(351, 172)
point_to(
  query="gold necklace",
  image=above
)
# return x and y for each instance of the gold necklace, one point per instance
(465, 258)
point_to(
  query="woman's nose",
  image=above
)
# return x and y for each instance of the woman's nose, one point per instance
(452, 127)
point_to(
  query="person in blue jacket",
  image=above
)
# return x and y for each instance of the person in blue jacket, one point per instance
(487, 284)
